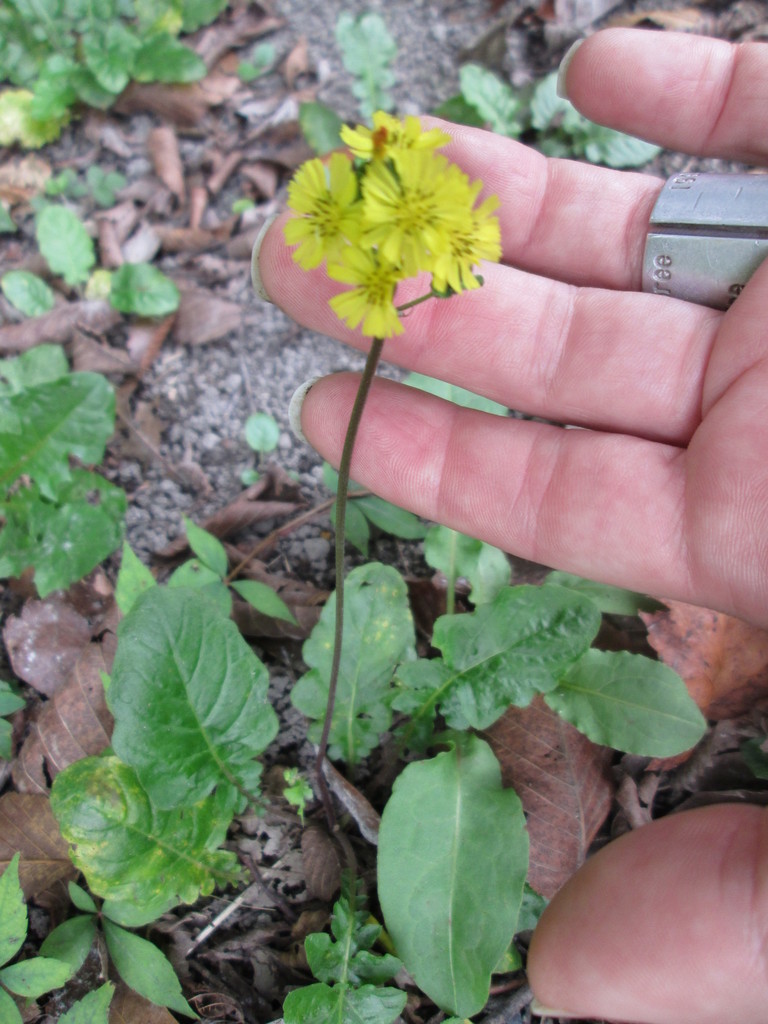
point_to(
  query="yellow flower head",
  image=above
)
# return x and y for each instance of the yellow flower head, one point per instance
(325, 199)
(400, 209)
(389, 137)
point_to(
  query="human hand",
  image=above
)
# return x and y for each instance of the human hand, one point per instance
(665, 491)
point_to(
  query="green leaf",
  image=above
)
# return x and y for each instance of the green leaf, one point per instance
(263, 599)
(64, 540)
(755, 756)
(13, 920)
(196, 13)
(453, 393)
(610, 600)
(262, 432)
(261, 60)
(505, 652)
(18, 124)
(615, 149)
(189, 698)
(132, 852)
(10, 701)
(31, 978)
(383, 514)
(81, 899)
(143, 968)
(73, 415)
(546, 105)
(367, 50)
(65, 244)
(196, 576)
(103, 185)
(164, 59)
(132, 580)
(71, 941)
(93, 1008)
(109, 50)
(458, 110)
(7, 225)
(356, 528)
(629, 702)
(54, 91)
(9, 1013)
(208, 548)
(39, 365)
(493, 99)
(321, 127)
(144, 290)
(485, 567)
(27, 292)
(378, 635)
(453, 856)
(321, 1004)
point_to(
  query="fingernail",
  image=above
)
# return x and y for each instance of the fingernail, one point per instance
(256, 281)
(562, 71)
(540, 1010)
(295, 404)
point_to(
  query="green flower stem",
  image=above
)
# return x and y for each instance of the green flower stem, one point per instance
(369, 371)
(415, 302)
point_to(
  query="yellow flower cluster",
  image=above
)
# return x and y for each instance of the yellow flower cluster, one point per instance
(389, 209)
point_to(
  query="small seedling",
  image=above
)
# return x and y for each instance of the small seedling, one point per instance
(297, 792)
(259, 63)
(262, 434)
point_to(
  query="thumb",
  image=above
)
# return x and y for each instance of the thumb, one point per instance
(666, 925)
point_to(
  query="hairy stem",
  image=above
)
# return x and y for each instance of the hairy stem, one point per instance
(369, 372)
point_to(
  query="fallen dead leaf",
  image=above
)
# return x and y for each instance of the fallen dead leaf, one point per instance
(222, 35)
(74, 724)
(224, 168)
(27, 826)
(45, 641)
(198, 202)
(202, 317)
(578, 14)
(128, 1007)
(322, 865)
(182, 105)
(679, 19)
(87, 354)
(145, 339)
(296, 63)
(23, 178)
(58, 326)
(352, 800)
(723, 661)
(175, 239)
(563, 782)
(163, 147)
(264, 176)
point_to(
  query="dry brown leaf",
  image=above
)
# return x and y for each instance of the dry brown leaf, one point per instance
(45, 641)
(679, 19)
(175, 239)
(562, 779)
(20, 179)
(75, 724)
(723, 661)
(58, 326)
(128, 1007)
(97, 357)
(296, 63)
(202, 317)
(321, 863)
(145, 339)
(198, 203)
(184, 105)
(352, 800)
(264, 176)
(163, 147)
(579, 14)
(27, 826)
(223, 35)
(224, 168)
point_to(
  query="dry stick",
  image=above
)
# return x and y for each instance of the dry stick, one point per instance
(369, 372)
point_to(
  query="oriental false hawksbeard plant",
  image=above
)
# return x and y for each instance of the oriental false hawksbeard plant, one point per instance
(388, 209)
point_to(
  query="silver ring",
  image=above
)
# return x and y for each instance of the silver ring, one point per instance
(707, 235)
